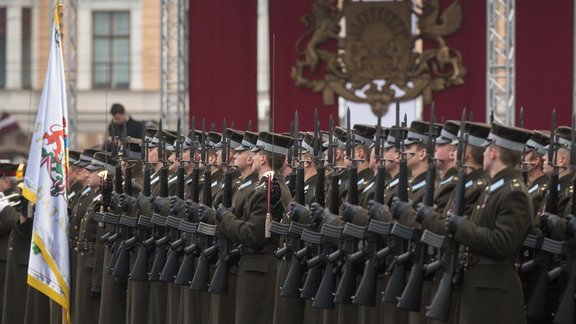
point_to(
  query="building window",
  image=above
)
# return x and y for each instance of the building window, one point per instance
(111, 50)
(26, 48)
(2, 48)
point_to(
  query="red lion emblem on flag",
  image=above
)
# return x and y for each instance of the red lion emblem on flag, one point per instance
(54, 157)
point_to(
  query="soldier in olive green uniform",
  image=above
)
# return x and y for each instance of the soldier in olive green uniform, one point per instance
(257, 268)
(491, 290)
(533, 167)
(339, 166)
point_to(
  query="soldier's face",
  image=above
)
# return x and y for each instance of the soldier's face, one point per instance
(243, 159)
(373, 160)
(391, 157)
(413, 155)
(443, 154)
(153, 155)
(257, 162)
(489, 156)
(93, 179)
(82, 175)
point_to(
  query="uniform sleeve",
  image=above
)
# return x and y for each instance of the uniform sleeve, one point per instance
(248, 230)
(8, 217)
(511, 226)
(435, 223)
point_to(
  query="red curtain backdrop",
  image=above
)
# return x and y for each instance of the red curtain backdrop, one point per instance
(544, 61)
(470, 40)
(287, 27)
(222, 62)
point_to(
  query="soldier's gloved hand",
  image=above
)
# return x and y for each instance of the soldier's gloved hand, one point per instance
(127, 202)
(176, 205)
(24, 203)
(221, 211)
(548, 221)
(205, 213)
(162, 205)
(144, 201)
(106, 190)
(349, 210)
(275, 193)
(192, 210)
(96, 292)
(423, 212)
(570, 226)
(321, 214)
(453, 222)
(376, 209)
(299, 212)
(114, 200)
(398, 207)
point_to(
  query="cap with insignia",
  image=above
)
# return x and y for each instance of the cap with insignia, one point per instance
(235, 137)
(73, 156)
(308, 144)
(418, 132)
(364, 134)
(100, 161)
(511, 138)
(169, 139)
(151, 136)
(188, 141)
(8, 169)
(394, 133)
(134, 149)
(538, 142)
(448, 133)
(564, 134)
(86, 157)
(273, 143)
(214, 138)
(248, 141)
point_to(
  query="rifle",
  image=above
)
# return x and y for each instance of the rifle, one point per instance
(144, 157)
(334, 177)
(375, 255)
(296, 145)
(160, 240)
(313, 241)
(319, 189)
(112, 238)
(191, 251)
(291, 178)
(535, 308)
(227, 257)
(397, 280)
(353, 169)
(292, 284)
(351, 234)
(325, 295)
(195, 190)
(381, 173)
(441, 303)
(140, 269)
(411, 297)
(175, 246)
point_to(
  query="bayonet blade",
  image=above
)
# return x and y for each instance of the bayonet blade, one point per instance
(224, 148)
(521, 122)
(160, 142)
(331, 140)
(348, 135)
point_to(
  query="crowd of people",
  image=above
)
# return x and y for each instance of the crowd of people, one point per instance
(261, 227)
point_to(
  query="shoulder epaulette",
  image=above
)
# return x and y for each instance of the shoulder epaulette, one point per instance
(496, 185)
(368, 187)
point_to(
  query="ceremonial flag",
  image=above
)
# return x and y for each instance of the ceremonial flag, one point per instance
(45, 183)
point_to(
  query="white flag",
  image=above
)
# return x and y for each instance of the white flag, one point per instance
(45, 184)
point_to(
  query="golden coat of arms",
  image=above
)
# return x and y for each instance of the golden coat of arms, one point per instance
(376, 61)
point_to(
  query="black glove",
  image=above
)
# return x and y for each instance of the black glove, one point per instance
(299, 212)
(144, 201)
(96, 292)
(23, 206)
(453, 222)
(275, 194)
(570, 226)
(205, 213)
(162, 205)
(106, 190)
(349, 210)
(127, 202)
(114, 200)
(548, 221)
(321, 214)
(376, 209)
(176, 205)
(222, 211)
(399, 206)
(192, 210)
(423, 212)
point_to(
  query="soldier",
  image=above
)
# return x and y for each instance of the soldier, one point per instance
(491, 290)
(76, 179)
(87, 287)
(363, 140)
(8, 219)
(339, 166)
(533, 167)
(256, 271)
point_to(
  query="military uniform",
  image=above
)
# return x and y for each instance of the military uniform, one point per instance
(537, 191)
(8, 216)
(491, 291)
(16, 254)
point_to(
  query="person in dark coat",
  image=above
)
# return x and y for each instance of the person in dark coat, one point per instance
(257, 268)
(120, 118)
(491, 290)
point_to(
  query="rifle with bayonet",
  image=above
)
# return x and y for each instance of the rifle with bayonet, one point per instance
(334, 177)
(290, 158)
(227, 255)
(313, 260)
(399, 246)
(324, 298)
(536, 307)
(441, 304)
(319, 190)
(411, 297)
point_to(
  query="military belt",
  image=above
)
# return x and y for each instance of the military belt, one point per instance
(477, 259)
(84, 246)
(268, 249)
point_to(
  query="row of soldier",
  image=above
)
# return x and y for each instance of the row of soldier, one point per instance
(364, 225)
